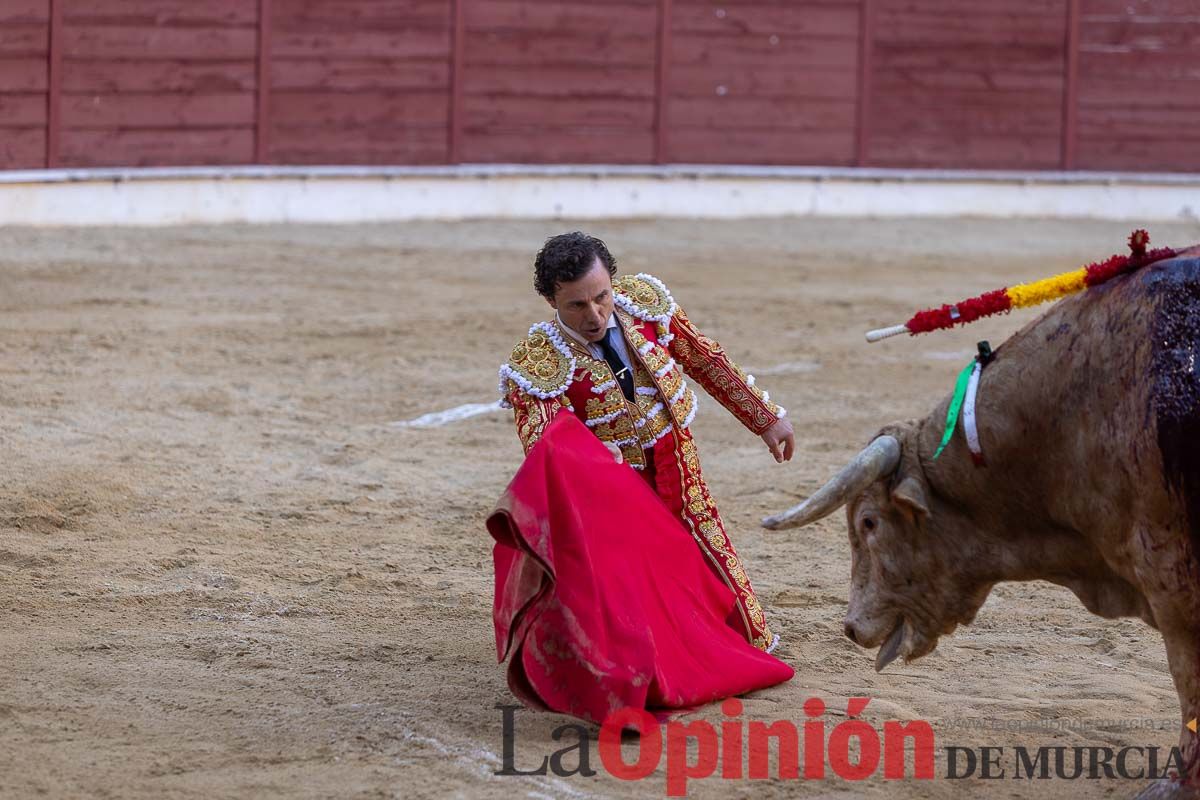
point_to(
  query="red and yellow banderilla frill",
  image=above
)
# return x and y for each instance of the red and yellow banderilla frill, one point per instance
(1029, 294)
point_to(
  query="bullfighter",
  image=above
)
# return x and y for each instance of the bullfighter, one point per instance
(616, 356)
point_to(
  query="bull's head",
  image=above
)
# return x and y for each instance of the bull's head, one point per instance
(908, 583)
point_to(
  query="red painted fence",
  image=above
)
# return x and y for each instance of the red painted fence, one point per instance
(1022, 84)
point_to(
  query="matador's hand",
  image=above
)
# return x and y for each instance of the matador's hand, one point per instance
(616, 451)
(780, 440)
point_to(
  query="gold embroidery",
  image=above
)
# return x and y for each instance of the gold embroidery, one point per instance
(538, 361)
(682, 408)
(643, 294)
(611, 402)
(532, 414)
(654, 427)
(636, 338)
(655, 358)
(700, 512)
(705, 360)
(757, 392)
(529, 429)
(645, 399)
(634, 455)
(614, 430)
(671, 382)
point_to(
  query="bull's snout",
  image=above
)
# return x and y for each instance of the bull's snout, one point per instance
(865, 631)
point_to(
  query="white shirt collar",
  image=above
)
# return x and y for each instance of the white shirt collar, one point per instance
(612, 323)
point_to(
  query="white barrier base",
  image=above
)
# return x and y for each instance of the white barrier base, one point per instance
(203, 195)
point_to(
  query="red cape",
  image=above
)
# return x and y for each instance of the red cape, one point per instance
(603, 598)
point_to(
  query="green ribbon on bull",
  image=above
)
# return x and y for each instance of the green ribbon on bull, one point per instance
(956, 404)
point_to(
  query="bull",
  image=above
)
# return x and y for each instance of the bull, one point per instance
(1089, 420)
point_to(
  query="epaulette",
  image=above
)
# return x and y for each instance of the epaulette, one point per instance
(541, 364)
(645, 297)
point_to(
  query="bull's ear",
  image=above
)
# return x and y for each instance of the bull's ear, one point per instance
(909, 496)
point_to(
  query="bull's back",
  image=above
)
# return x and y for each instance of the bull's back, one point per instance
(1120, 368)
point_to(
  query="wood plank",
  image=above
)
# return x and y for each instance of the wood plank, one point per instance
(759, 53)
(704, 80)
(566, 49)
(990, 24)
(340, 110)
(1069, 131)
(315, 16)
(565, 82)
(862, 90)
(536, 145)
(896, 115)
(88, 148)
(22, 74)
(411, 43)
(1140, 155)
(163, 13)
(762, 146)
(783, 113)
(972, 85)
(22, 110)
(263, 69)
(202, 77)
(457, 68)
(1139, 97)
(776, 4)
(137, 43)
(1000, 59)
(23, 148)
(906, 149)
(763, 21)
(662, 80)
(1150, 9)
(973, 8)
(54, 81)
(23, 39)
(1168, 125)
(359, 144)
(160, 110)
(558, 17)
(1144, 64)
(1131, 35)
(966, 82)
(507, 111)
(24, 12)
(359, 74)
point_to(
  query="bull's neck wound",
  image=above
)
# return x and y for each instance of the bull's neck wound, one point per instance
(1175, 393)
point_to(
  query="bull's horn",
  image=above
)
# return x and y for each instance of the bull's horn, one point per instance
(879, 458)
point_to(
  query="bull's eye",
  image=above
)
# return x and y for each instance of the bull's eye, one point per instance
(868, 524)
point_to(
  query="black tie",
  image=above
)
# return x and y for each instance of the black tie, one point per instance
(622, 372)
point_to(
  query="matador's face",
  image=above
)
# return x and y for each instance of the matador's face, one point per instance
(586, 304)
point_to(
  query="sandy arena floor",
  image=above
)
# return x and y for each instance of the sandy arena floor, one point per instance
(224, 572)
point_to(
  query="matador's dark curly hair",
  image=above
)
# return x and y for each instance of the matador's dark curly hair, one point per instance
(567, 257)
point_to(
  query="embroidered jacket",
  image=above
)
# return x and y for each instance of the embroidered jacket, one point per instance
(549, 371)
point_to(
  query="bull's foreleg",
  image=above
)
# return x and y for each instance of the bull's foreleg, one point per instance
(1169, 576)
(1177, 615)
(1183, 657)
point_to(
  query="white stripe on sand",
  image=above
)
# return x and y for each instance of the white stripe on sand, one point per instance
(481, 761)
(438, 418)
(788, 368)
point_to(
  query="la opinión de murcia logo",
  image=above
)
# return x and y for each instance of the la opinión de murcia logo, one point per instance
(735, 749)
